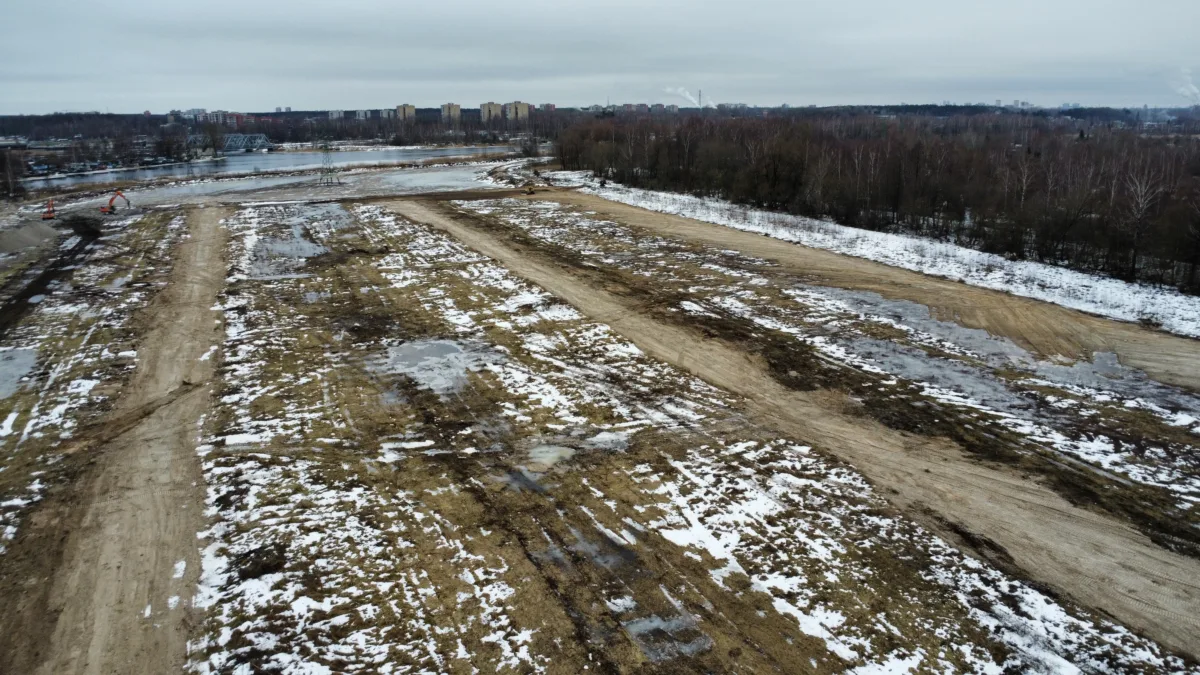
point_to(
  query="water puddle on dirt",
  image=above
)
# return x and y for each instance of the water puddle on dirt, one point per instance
(1103, 372)
(322, 219)
(281, 258)
(542, 458)
(440, 366)
(14, 365)
(914, 364)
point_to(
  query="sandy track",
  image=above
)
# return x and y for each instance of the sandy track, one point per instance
(1042, 327)
(1093, 559)
(144, 507)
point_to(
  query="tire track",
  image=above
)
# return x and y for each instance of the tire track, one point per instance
(1091, 558)
(122, 596)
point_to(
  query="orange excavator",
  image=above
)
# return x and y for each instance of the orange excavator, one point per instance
(112, 208)
(49, 213)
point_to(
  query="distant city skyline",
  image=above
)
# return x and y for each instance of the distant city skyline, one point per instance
(133, 55)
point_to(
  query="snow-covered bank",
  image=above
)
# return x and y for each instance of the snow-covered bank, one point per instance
(1174, 311)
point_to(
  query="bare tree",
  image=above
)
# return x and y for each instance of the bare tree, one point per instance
(214, 138)
(1144, 185)
(12, 167)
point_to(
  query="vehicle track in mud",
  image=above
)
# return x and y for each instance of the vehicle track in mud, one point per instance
(1047, 329)
(1091, 558)
(129, 532)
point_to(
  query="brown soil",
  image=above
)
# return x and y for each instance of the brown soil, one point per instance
(1044, 328)
(139, 503)
(1091, 558)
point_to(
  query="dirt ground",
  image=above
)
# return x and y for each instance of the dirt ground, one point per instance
(135, 545)
(356, 516)
(1091, 558)
(1042, 327)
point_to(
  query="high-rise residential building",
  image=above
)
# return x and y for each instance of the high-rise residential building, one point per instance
(451, 113)
(336, 114)
(407, 113)
(278, 109)
(658, 108)
(673, 109)
(288, 109)
(549, 107)
(490, 111)
(516, 111)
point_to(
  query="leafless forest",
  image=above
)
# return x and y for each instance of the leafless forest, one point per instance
(1093, 197)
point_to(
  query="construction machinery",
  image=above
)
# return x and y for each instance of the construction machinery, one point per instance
(112, 204)
(49, 213)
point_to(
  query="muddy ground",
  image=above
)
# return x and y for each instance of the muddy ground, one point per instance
(474, 433)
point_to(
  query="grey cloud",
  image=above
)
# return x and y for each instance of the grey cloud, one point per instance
(131, 55)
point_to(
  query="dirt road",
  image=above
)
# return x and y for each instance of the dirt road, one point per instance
(122, 594)
(1042, 327)
(1093, 559)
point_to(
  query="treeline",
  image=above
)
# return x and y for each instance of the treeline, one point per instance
(287, 128)
(86, 125)
(1098, 198)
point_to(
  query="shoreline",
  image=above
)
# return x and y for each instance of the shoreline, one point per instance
(60, 176)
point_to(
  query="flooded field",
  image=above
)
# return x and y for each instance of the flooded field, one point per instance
(301, 187)
(259, 162)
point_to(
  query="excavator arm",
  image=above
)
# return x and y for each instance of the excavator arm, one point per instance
(111, 209)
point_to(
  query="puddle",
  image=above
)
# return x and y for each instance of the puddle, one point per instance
(666, 638)
(613, 441)
(914, 364)
(543, 457)
(298, 246)
(437, 179)
(14, 365)
(997, 352)
(1104, 372)
(322, 219)
(440, 366)
(281, 258)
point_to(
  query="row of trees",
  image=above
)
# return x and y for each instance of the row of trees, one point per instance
(1101, 199)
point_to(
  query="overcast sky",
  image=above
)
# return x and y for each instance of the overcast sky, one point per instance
(254, 55)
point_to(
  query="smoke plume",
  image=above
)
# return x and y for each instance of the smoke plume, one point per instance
(1185, 87)
(687, 95)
